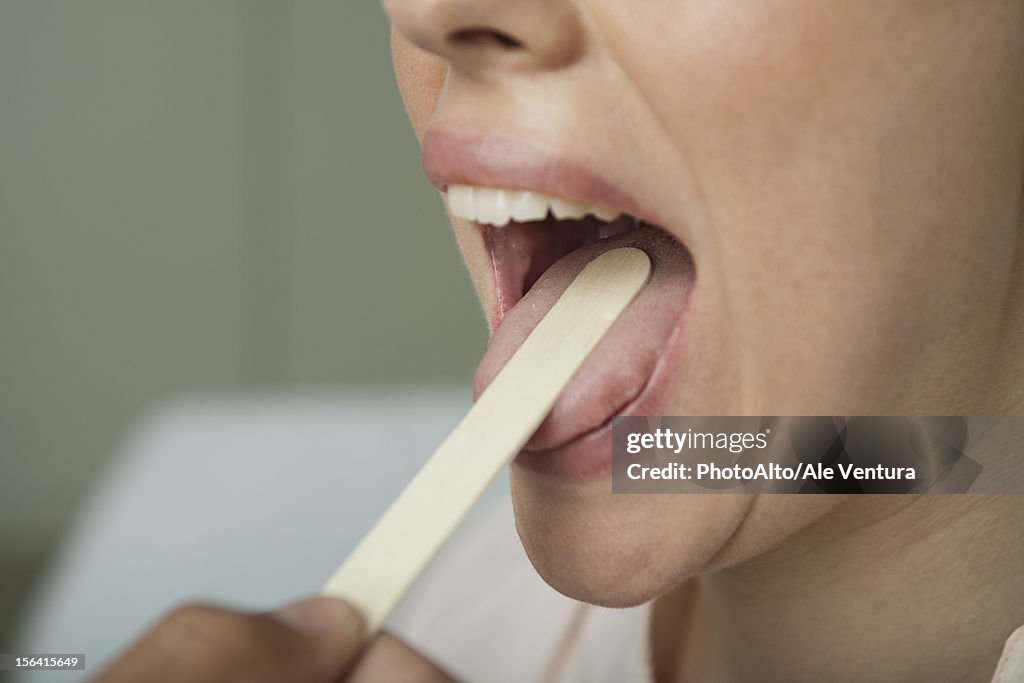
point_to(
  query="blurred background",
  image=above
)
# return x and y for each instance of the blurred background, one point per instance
(201, 197)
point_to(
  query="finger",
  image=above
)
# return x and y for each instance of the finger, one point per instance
(312, 641)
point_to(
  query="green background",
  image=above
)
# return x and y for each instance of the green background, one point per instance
(201, 196)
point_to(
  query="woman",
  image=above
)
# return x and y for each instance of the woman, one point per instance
(830, 192)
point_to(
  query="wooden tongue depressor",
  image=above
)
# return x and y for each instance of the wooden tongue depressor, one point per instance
(413, 529)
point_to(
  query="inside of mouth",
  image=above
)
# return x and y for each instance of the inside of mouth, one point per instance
(526, 250)
(534, 263)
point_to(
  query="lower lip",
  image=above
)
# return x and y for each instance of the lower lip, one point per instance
(588, 457)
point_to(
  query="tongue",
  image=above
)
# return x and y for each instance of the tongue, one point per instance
(618, 369)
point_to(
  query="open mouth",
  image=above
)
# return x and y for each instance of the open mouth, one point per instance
(528, 232)
(538, 243)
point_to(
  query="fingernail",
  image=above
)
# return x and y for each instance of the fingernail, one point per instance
(317, 616)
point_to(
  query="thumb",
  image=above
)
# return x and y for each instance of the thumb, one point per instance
(330, 634)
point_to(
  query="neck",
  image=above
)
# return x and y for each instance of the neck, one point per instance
(895, 588)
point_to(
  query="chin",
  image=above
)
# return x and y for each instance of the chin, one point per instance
(618, 550)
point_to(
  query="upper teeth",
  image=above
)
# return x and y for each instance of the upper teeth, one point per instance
(498, 207)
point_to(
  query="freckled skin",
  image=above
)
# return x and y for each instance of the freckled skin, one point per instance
(847, 176)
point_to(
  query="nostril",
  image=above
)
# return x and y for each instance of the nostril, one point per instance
(482, 37)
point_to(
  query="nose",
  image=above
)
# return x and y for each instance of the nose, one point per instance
(475, 35)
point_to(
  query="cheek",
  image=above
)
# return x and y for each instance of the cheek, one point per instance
(854, 162)
(421, 77)
(754, 96)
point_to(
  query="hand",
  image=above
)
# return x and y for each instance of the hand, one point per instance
(312, 641)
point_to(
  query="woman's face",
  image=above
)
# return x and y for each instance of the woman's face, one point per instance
(844, 176)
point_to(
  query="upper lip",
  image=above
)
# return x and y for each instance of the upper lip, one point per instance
(454, 159)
